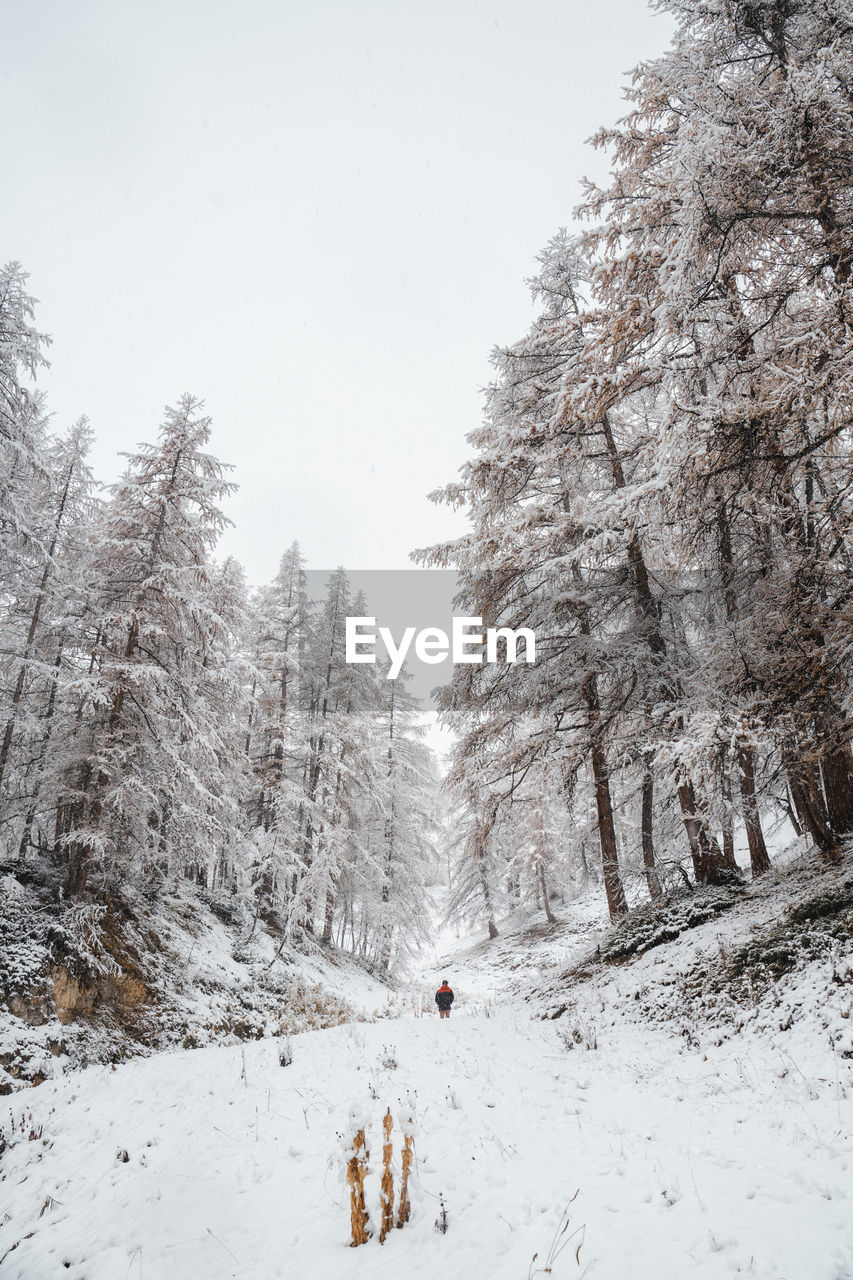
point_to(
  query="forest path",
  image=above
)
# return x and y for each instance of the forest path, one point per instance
(683, 1164)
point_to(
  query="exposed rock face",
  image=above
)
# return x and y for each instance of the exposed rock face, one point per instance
(34, 1009)
(79, 996)
(134, 974)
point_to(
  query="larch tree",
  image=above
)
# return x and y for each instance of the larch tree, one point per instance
(146, 772)
(660, 487)
(404, 832)
(53, 606)
(726, 247)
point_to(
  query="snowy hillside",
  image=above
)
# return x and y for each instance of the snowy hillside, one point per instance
(673, 1140)
(182, 968)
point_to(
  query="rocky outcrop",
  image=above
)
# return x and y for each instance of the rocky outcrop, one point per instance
(76, 996)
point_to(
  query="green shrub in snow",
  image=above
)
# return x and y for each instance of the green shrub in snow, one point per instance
(817, 927)
(650, 926)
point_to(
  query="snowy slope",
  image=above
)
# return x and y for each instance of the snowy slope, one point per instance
(206, 975)
(705, 1155)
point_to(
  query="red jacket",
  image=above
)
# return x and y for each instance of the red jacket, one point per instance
(444, 996)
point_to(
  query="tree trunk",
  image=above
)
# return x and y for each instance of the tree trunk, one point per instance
(837, 769)
(584, 865)
(33, 628)
(808, 802)
(549, 915)
(704, 850)
(77, 871)
(487, 899)
(329, 917)
(480, 845)
(39, 763)
(789, 809)
(617, 903)
(728, 819)
(759, 859)
(647, 835)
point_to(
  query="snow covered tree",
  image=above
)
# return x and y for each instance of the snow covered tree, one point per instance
(727, 262)
(23, 431)
(406, 824)
(156, 721)
(278, 635)
(146, 774)
(54, 612)
(25, 495)
(660, 487)
(338, 702)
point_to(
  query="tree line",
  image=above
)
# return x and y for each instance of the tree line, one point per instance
(159, 719)
(662, 486)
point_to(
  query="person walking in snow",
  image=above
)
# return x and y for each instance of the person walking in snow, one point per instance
(444, 999)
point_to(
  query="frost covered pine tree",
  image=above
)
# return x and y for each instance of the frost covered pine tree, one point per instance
(682, 402)
(339, 702)
(405, 828)
(727, 236)
(278, 636)
(540, 556)
(24, 495)
(23, 432)
(53, 606)
(46, 504)
(146, 767)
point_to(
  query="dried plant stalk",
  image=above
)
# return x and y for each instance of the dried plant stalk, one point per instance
(356, 1172)
(386, 1193)
(405, 1207)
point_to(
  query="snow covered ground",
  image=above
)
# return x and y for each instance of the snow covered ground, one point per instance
(700, 1155)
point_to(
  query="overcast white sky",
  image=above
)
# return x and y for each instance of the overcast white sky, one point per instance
(317, 216)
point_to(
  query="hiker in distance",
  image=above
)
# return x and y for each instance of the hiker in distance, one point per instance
(444, 999)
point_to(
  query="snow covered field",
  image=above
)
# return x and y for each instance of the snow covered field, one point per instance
(673, 1158)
